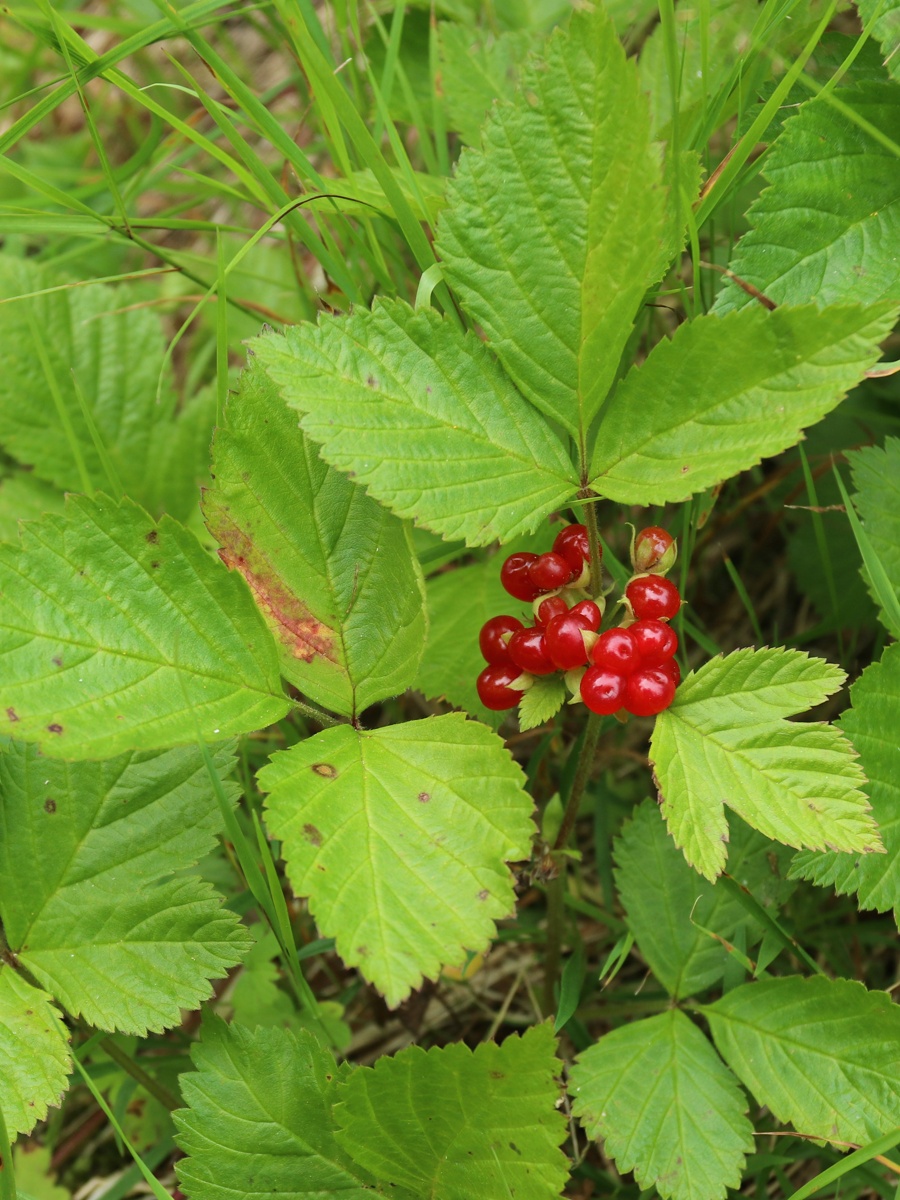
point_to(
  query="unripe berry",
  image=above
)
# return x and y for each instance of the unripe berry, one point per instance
(651, 596)
(574, 546)
(653, 550)
(602, 690)
(528, 650)
(515, 578)
(493, 638)
(655, 640)
(616, 650)
(493, 684)
(648, 691)
(549, 571)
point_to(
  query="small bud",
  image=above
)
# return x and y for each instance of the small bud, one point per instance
(653, 550)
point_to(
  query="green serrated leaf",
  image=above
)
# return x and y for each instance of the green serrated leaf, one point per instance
(34, 1054)
(871, 725)
(23, 497)
(94, 338)
(823, 1054)
(886, 29)
(332, 572)
(725, 392)
(259, 1122)
(876, 477)
(399, 837)
(553, 233)
(543, 700)
(725, 741)
(87, 901)
(422, 416)
(666, 902)
(835, 254)
(665, 1106)
(461, 1124)
(112, 625)
(477, 68)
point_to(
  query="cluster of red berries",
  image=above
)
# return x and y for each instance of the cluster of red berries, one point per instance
(631, 667)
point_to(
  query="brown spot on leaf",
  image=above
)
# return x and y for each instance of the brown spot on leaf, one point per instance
(54, 728)
(304, 635)
(497, 1075)
(12, 714)
(49, 805)
(312, 835)
(515, 1149)
(483, 894)
(424, 797)
(154, 566)
(57, 661)
(152, 537)
(362, 951)
(326, 770)
(372, 381)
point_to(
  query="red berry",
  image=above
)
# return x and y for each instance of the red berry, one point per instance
(549, 571)
(672, 669)
(656, 641)
(654, 550)
(553, 606)
(565, 641)
(493, 686)
(616, 650)
(602, 690)
(649, 691)
(653, 597)
(573, 544)
(528, 650)
(590, 612)
(491, 640)
(515, 578)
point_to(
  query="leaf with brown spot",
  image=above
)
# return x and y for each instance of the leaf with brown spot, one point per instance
(331, 571)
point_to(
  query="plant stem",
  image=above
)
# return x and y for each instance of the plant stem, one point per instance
(168, 1099)
(582, 775)
(556, 927)
(313, 713)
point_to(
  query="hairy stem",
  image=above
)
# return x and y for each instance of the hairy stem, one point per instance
(313, 713)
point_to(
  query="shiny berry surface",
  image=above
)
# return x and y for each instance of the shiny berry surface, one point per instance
(603, 691)
(573, 544)
(656, 641)
(493, 689)
(528, 650)
(553, 606)
(564, 639)
(491, 640)
(549, 571)
(590, 612)
(653, 597)
(515, 578)
(653, 549)
(616, 650)
(649, 691)
(672, 669)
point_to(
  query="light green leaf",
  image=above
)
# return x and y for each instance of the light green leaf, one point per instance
(399, 837)
(876, 477)
(423, 417)
(34, 1055)
(553, 233)
(332, 572)
(666, 902)
(665, 1106)
(871, 724)
(725, 741)
(823, 1054)
(112, 625)
(886, 30)
(87, 898)
(477, 68)
(835, 253)
(460, 1124)
(725, 392)
(23, 497)
(543, 700)
(35, 1175)
(258, 1122)
(92, 337)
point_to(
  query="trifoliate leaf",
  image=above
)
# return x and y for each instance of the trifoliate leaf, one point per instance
(460, 1124)
(400, 837)
(725, 392)
(259, 1122)
(823, 1054)
(665, 1106)
(34, 1054)
(669, 906)
(553, 233)
(87, 901)
(543, 700)
(725, 741)
(803, 248)
(871, 724)
(96, 341)
(876, 476)
(332, 572)
(114, 630)
(422, 416)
